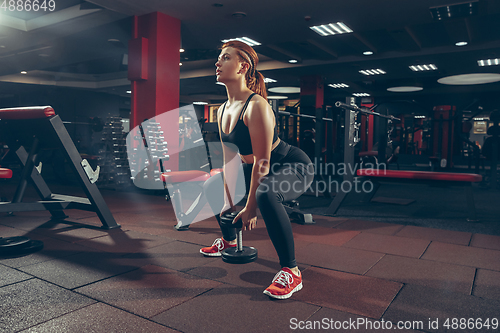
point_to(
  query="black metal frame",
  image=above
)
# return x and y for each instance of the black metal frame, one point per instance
(50, 132)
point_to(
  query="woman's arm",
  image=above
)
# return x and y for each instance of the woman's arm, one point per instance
(260, 124)
(229, 167)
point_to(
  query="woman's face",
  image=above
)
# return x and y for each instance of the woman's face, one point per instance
(228, 65)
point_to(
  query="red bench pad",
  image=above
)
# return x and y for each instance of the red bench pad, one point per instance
(5, 173)
(185, 176)
(424, 175)
(30, 112)
(368, 153)
(213, 172)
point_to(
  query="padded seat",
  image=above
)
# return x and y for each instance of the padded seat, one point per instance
(422, 175)
(188, 176)
(368, 153)
(5, 173)
(184, 176)
(31, 112)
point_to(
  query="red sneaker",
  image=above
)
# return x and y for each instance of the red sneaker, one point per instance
(285, 283)
(217, 247)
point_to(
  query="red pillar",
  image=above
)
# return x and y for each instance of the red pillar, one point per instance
(154, 71)
(311, 98)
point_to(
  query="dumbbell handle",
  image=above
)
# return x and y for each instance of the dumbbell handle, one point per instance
(240, 240)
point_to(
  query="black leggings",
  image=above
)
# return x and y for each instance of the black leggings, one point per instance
(291, 174)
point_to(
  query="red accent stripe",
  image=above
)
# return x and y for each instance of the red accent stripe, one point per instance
(424, 175)
(31, 112)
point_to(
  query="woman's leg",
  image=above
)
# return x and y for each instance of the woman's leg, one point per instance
(213, 189)
(287, 182)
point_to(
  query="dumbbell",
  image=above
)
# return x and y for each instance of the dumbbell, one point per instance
(239, 254)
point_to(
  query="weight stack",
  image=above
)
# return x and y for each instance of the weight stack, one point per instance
(113, 161)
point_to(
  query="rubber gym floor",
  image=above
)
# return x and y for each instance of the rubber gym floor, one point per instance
(421, 265)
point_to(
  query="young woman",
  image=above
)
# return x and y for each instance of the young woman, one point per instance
(274, 171)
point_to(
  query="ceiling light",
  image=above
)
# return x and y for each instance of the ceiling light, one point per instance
(405, 89)
(292, 61)
(180, 64)
(181, 50)
(488, 62)
(269, 80)
(24, 72)
(361, 94)
(285, 90)
(277, 97)
(419, 117)
(331, 29)
(200, 103)
(245, 40)
(372, 71)
(465, 79)
(239, 15)
(421, 68)
(338, 85)
(461, 43)
(129, 91)
(368, 53)
(2, 46)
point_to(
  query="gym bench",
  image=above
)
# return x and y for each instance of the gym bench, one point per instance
(39, 128)
(424, 177)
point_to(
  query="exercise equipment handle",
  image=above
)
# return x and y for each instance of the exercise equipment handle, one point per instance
(363, 110)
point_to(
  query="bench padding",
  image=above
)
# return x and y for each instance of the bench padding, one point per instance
(423, 175)
(30, 112)
(185, 176)
(5, 173)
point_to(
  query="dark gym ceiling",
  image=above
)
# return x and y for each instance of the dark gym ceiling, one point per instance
(83, 44)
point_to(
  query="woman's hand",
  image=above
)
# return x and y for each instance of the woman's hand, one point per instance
(248, 218)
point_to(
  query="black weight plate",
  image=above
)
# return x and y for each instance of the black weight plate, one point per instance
(233, 256)
(26, 248)
(13, 241)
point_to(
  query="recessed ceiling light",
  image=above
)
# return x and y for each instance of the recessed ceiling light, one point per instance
(180, 64)
(421, 68)
(181, 50)
(489, 62)
(292, 61)
(277, 97)
(461, 43)
(361, 94)
(269, 80)
(372, 71)
(338, 85)
(129, 91)
(285, 90)
(404, 89)
(246, 40)
(24, 72)
(200, 103)
(331, 29)
(239, 15)
(368, 53)
(466, 79)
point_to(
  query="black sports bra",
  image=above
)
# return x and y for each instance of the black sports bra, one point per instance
(240, 136)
